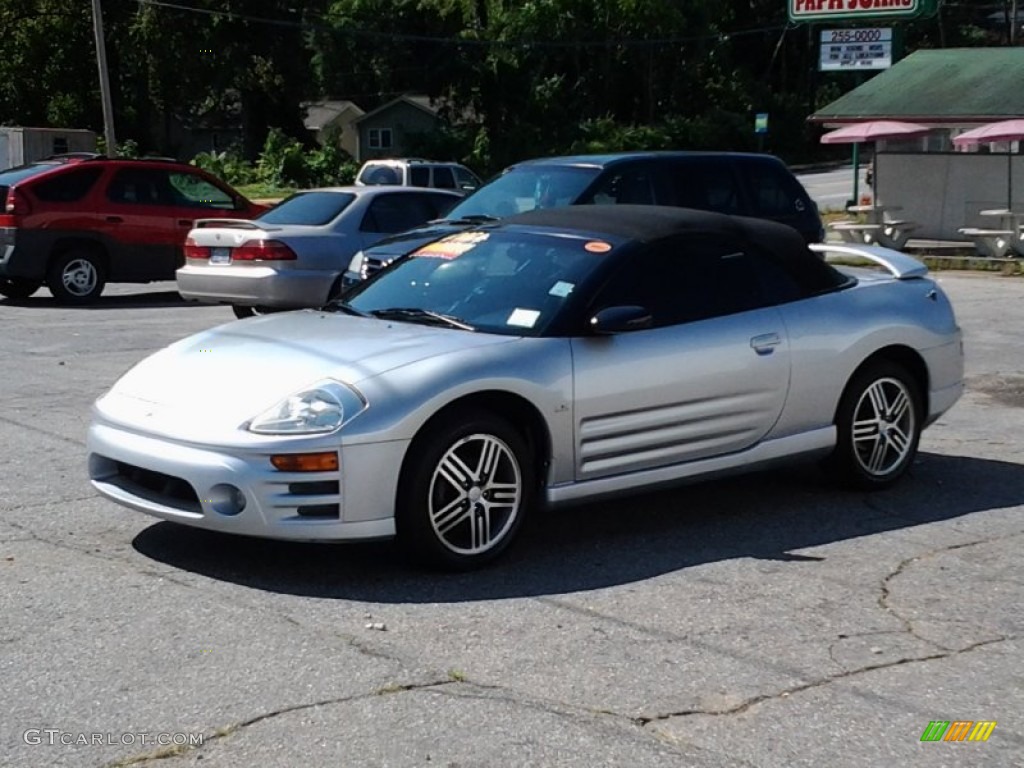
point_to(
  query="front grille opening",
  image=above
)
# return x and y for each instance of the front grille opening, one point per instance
(165, 487)
(319, 510)
(314, 488)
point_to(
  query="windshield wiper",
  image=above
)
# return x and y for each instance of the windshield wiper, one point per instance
(337, 305)
(469, 218)
(415, 313)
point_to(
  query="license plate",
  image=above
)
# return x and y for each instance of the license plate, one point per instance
(220, 255)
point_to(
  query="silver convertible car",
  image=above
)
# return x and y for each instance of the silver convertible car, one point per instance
(558, 356)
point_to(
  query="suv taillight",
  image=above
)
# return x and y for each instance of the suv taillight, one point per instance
(17, 203)
(263, 250)
(193, 251)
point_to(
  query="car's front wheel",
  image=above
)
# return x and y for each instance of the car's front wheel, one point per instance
(76, 277)
(18, 287)
(878, 426)
(464, 491)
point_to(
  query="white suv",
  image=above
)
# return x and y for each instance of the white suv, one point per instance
(414, 172)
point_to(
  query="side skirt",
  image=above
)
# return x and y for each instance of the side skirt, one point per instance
(784, 449)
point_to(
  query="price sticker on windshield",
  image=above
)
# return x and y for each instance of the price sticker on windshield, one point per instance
(453, 246)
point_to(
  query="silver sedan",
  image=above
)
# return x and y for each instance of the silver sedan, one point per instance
(294, 254)
(558, 356)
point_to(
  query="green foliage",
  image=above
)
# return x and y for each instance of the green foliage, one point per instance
(521, 78)
(228, 165)
(128, 148)
(281, 162)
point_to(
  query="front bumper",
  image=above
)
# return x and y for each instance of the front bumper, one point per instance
(254, 286)
(203, 486)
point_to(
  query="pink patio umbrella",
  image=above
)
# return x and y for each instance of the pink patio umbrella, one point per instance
(1004, 130)
(871, 130)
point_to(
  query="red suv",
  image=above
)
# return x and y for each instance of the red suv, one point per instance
(77, 222)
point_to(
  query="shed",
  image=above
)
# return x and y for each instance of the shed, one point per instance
(20, 145)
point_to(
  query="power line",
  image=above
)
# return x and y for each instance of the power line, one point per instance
(625, 42)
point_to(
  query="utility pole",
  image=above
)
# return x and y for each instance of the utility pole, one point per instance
(101, 60)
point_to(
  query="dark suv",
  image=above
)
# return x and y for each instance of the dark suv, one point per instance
(756, 185)
(77, 222)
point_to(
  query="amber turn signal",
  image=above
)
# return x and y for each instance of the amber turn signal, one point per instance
(305, 462)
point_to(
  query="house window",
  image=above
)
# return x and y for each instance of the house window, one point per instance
(60, 145)
(380, 138)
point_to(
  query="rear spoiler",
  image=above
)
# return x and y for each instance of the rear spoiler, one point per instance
(902, 266)
(235, 223)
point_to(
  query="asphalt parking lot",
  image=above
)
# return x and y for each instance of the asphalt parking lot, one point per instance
(766, 621)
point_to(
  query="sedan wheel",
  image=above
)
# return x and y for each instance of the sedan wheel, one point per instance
(879, 426)
(242, 312)
(76, 277)
(18, 287)
(464, 492)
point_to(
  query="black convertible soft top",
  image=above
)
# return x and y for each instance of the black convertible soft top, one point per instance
(654, 222)
(649, 223)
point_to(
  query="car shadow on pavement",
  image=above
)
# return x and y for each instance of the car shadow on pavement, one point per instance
(769, 516)
(154, 299)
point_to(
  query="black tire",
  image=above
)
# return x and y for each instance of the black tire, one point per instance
(448, 505)
(886, 401)
(242, 312)
(18, 287)
(76, 277)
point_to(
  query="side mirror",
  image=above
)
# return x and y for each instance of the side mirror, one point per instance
(620, 320)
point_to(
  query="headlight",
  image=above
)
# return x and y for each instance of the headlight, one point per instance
(324, 407)
(356, 265)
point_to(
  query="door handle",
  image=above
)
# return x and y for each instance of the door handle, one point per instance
(185, 222)
(765, 343)
(114, 219)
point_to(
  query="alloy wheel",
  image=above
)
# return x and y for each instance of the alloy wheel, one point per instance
(80, 277)
(883, 426)
(475, 494)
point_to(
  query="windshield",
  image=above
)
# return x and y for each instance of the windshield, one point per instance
(312, 208)
(506, 282)
(524, 188)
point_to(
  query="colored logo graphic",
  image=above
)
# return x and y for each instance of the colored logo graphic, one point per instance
(958, 730)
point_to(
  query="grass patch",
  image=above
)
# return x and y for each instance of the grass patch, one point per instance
(260, 191)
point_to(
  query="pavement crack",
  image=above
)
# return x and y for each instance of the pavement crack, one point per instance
(50, 503)
(787, 692)
(225, 731)
(885, 598)
(41, 431)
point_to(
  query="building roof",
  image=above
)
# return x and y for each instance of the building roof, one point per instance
(951, 85)
(321, 113)
(418, 101)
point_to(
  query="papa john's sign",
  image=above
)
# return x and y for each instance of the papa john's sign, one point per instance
(859, 10)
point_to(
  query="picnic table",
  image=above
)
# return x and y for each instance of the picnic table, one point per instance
(1001, 240)
(875, 226)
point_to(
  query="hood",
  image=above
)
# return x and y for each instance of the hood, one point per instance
(229, 374)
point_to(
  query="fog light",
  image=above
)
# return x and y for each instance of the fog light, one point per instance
(226, 499)
(305, 462)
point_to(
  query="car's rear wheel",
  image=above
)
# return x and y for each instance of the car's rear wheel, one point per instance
(76, 277)
(18, 287)
(878, 426)
(464, 491)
